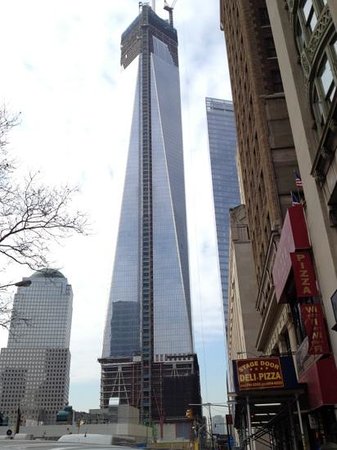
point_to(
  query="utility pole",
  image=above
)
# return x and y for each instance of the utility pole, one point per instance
(229, 422)
(208, 405)
(18, 421)
(211, 424)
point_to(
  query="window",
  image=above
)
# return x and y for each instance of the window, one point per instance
(312, 21)
(299, 330)
(299, 36)
(307, 19)
(334, 49)
(324, 87)
(270, 47)
(327, 80)
(263, 16)
(277, 81)
(334, 308)
(307, 8)
(318, 109)
(309, 14)
(333, 222)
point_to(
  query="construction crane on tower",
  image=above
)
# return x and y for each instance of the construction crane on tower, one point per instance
(169, 8)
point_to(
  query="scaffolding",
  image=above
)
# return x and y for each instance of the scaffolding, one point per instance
(269, 420)
(175, 385)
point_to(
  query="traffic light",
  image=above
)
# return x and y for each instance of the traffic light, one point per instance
(189, 413)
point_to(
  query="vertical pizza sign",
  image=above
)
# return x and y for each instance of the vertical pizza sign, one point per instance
(305, 279)
(259, 373)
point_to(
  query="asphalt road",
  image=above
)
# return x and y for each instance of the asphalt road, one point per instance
(49, 445)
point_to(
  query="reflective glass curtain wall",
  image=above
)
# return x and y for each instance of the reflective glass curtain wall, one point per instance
(172, 332)
(222, 147)
(149, 312)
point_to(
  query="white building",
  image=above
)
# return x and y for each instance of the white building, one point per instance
(34, 368)
(218, 425)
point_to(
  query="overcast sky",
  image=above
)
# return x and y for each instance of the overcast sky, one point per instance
(60, 69)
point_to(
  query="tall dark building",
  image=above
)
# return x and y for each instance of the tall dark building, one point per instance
(148, 359)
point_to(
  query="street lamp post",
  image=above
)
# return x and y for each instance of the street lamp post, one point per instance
(23, 283)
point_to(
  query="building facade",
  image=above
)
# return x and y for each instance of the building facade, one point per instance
(311, 97)
(148, 359)
(35, 365)
(243, 319)
(222, 149)
(285, 51)
(305, 35)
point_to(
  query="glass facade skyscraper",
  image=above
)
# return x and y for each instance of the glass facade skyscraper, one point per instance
(34, 368)
(222, 148)
(148, 328)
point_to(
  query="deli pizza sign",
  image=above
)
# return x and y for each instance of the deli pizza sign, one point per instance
(259, 373)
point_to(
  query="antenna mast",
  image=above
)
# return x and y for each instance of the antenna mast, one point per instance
(154, 5)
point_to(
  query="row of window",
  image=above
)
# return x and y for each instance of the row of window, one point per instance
(325, 80)
(307, 18)
(325, 85)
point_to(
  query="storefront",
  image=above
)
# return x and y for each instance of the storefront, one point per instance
(266, 403)
(296, 285)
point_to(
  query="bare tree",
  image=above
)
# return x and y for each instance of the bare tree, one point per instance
(32, 215)
(7, 312)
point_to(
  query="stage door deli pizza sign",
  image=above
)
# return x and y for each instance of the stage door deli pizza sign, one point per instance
(259, 373)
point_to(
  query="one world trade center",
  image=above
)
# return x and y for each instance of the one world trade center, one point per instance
(148, 360)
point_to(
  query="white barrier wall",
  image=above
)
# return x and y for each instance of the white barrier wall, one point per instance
(120, 431)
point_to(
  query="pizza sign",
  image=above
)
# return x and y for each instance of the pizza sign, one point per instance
(259, 373)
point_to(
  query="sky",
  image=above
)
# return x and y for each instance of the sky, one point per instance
(60, 70)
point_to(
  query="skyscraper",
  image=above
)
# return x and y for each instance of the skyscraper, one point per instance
(222, 149)
(148, 347)
(34, 368)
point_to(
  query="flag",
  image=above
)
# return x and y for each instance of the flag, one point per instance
(298, 180)
(295, 200)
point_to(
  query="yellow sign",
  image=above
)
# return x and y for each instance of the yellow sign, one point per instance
(259, 373)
